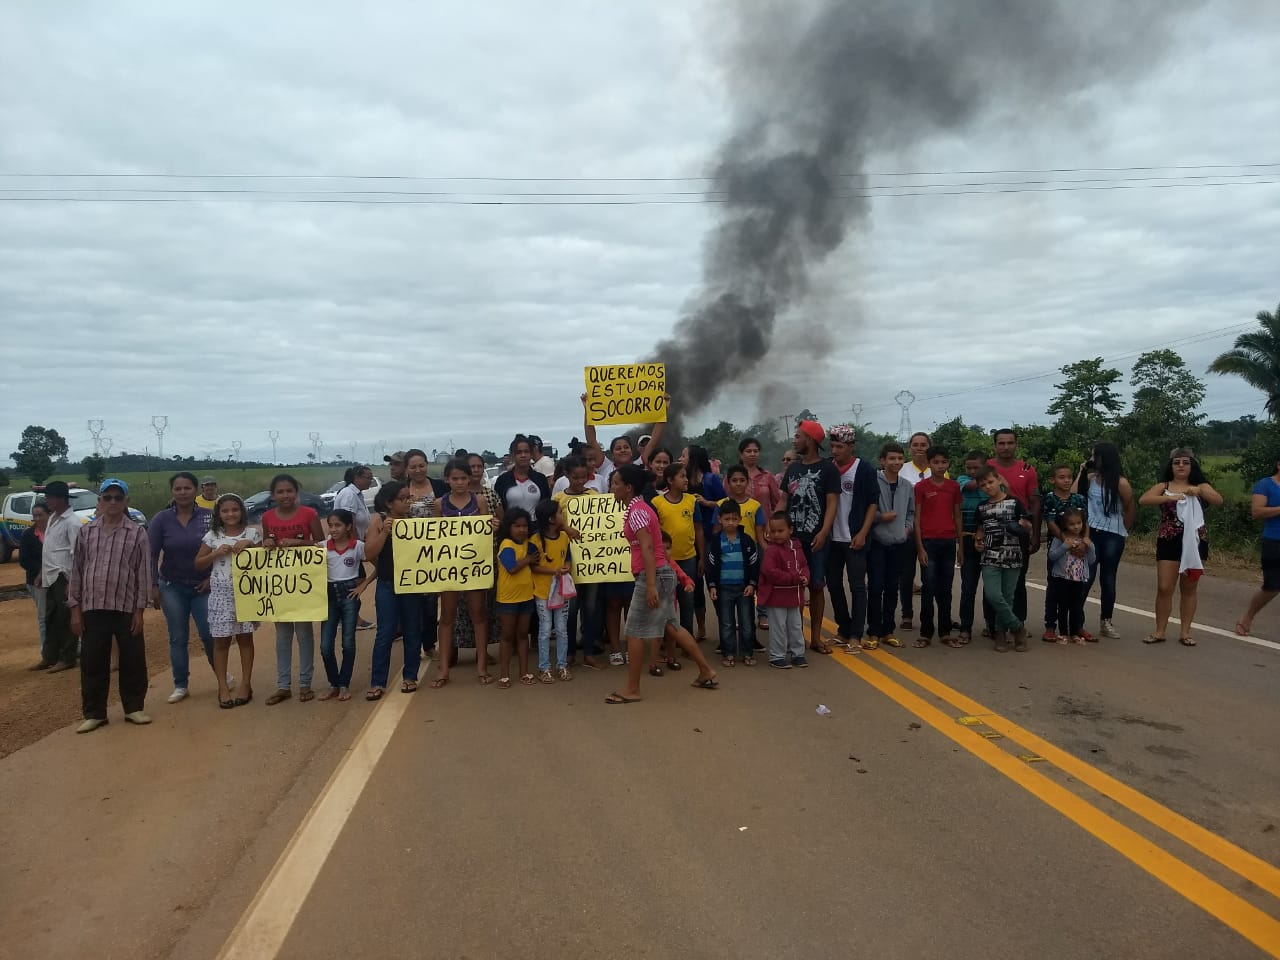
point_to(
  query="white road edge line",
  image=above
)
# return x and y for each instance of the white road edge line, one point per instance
(269, 918)
(1229, 634)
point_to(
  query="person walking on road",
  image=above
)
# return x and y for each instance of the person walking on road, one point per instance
(1265, 507)
(59, 650)
(109, 587)
(1110, 512)
(182, 591)
(1182, 543)
(653, 609)
(811, 497)
(30, 554)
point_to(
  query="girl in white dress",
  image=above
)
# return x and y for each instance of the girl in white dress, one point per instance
(229, 532)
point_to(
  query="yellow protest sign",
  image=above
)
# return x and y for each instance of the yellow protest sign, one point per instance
(438, 554)
(626, 393)
(602, 555)
(281, 585)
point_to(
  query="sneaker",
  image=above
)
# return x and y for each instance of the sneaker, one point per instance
(1109, 631)
(179, 694)
(780, 664)
(365, 624)
(616, 660)
(1050, 635)
(91, 724)
(800, 662)
(1087, 637)
(138, 717)
(62, 665)
(43, 665)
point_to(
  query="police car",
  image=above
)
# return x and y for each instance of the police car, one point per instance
(15, 514)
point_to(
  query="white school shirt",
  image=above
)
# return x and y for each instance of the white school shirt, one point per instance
(344, 564)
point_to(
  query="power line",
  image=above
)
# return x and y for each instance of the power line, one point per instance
(399, 198)
(640, 179)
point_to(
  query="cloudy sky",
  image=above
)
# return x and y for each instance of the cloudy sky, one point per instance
(424, 318)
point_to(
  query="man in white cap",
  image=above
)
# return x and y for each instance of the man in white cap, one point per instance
(111, 583)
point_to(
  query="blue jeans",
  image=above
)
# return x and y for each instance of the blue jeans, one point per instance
(1000, 587)
(552, 622)
(844, 562)
(402, 612)
(180, 603)
(344, 611)
(936, 578)
(1109, 548)
(684, 599)
(306, 633)
(970, 577)
(736, 614)
(884, 577)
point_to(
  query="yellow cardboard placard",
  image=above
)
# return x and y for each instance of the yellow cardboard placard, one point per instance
(602, 555)
(442, 554)
(280, 585)
(626, 393)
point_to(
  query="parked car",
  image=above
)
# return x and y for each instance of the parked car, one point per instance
(15, 514)
(369, 494)
(261, 502)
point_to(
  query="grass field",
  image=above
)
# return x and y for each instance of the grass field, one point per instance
(149, 492)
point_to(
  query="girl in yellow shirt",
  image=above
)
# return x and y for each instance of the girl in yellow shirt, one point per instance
(516, 557)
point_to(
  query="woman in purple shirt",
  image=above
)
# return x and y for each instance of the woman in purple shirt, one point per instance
(183, 591)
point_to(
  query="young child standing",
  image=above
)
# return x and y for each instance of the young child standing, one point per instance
(680, 515)
(344, 555)
(1061, 497)
(1002, 529)
(937, 531)
(552, 545)
(1071, 557)
(970, 558)
(585, 616)
(229, 532)
(733, 569)
(750, 510)
(516, 557)
(291, 524)
(461, 501)
(784, 574)
(895, 517)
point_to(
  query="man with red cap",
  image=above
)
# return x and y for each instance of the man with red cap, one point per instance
(810, 496)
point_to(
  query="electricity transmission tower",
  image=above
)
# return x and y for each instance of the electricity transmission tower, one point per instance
(352, 445)
(905, 399)
(857, 413)
(273, 436)
(316, 443)
(95, 431)
(160, 425)
(235, 450)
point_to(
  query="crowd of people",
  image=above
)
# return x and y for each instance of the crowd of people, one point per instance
(761, 547)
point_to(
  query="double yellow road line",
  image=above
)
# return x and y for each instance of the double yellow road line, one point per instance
(1258, 927)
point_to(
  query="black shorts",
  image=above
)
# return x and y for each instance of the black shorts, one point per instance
(1271, 565)
(1170, 549)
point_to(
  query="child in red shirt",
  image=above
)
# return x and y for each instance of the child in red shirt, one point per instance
(784, 574)
(938, 530)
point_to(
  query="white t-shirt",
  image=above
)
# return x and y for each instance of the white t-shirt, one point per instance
(545, 466)
(220, 572)
(351, 498)
(912, 475)
(597, 482)
(840, 530)
(345, 564)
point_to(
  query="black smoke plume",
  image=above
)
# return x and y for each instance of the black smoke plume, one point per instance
(818, 88)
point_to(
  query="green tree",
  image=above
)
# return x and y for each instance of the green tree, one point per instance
(959, 438)
(1255, 359)
(1086, 403)
(37, 451)
(94, 467)
(1165, 400)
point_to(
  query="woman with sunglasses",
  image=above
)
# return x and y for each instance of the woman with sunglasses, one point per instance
(1182, 544)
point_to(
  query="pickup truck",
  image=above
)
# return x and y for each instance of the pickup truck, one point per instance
(15, 515)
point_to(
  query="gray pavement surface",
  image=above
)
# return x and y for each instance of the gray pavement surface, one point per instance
(538, 822)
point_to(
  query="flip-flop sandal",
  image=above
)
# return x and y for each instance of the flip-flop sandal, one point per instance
(409, 686)
(869, 644)
(331, 695)
(504, 683)
(728, 662)
(374, 693)
(823, 649)
(439, 682)
(655, 671)
(226, 704)
(344, 694)
(748, 661)
(1187, 641)
(674, 664)
(1154, 639)
(280, 696)
(484, 679)
(527, 679)
(1241, 629)
(922, 642)
(306, 695)
(891, 642)
(619, 698)
(706, 683)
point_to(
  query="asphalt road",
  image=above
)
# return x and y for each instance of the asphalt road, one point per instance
(1107, 801)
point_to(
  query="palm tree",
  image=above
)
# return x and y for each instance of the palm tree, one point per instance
(1255, 359)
